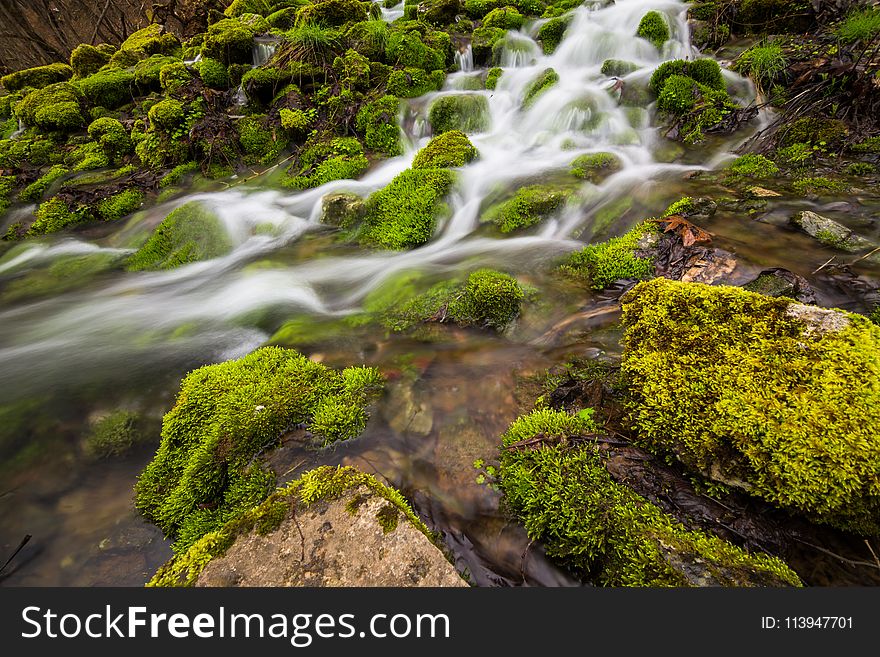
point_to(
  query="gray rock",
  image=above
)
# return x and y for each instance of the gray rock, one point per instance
(359, 539)
(831, 233)
(342, 210)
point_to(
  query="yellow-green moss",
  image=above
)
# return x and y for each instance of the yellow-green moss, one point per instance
(451, 149)
(464, 112)
(37, 78)
(728, 378)
(655, 28)
(527, 207)
(616, 259)
(57, 107)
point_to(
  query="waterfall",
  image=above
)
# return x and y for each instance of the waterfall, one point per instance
(464, 59)
(263, 50)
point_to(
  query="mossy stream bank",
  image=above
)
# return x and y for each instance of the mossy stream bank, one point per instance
(409, 239)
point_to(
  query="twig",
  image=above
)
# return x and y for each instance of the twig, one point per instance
(24, 541)
(824, 264)
(867, 255)
(100, 20)
(851, 562)
(873, 554)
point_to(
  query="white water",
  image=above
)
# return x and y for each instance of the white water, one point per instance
(134, 320)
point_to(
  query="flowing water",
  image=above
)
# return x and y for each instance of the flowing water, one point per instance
(123, 340)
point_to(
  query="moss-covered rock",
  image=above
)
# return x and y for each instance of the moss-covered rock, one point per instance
(483, 43)
(654, 28)
(327, 160)
(467, 113)
(229, 41)
(404, 214)
(542, 83)
(830, 233)
(554, 481)
(486, 299)
(119, 205)
(414, 82)
(205, 471)
(147, 71)
(528, 206)
(110, 88)
(37, 78)
(507, 18)
(595, 167)
(618, 67)
(343, 210)
(35, 192)
(409, 50)
(112, 137)
(332, 12)
(626, 257)
(260, 141)
(86, 60)
(752, 166)
(550, 34)
(704, 71)
(774, 397)
(188, 234)
(813, 131)
(450, 149)
(55, 214)
(57, 107)
(492, 77)
(240, 7)
(152, 40)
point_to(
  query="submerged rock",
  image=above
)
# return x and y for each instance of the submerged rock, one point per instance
(831, 233)
(330, 527)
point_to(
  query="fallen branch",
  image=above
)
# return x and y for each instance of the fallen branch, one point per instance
(24, 541)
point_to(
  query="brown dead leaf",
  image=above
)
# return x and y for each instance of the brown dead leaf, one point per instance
(689, 233)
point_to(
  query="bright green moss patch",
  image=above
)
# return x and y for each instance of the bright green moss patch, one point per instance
(55, 214)
(188, 234)
(112, 136)
(120, 205)
(528, 206)
(550, 34)
(487, 299)
(404, 214)
(153, 40)
(7, 184)
(37, 189)
(240, 7)
(325, 161)
(414, 82)
(86, 59)
(57, 107)
(763, 63)
(818, 185)
(507, 18)
(450, 149)
(654, 28)
(595, 167)
(114, 435)
(323, 484)
(705, 71)
(213, 73)
(492, 77)
(737, 384)
(260, 142)
(110, 88)
(464, 112)
(332, 12)
(752, 166)
(542, 83)
(617, 259)
(618, 67)
(377, 121)
(814, 131)
(229, 41)
(205, 472)
(37, 78)
(559, 488)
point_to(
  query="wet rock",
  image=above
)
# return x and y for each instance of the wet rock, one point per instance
(818, 320)
(777, 282)
(831, 233)
(343, 210)
(359, 539)
(405, 412)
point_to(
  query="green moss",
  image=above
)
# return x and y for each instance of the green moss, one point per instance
(618, 67)
(125, 59)
(507, 18)
(818, 185)
(111, 88)
(528, 206)
(325, 161)
(240, 7)
(860, 25)
(174, 76)
(705, 71)
(188, 234)
(595, 167)
(54, 215)
(377, 121)
(408, 49)
(869, 145)
(796, 154)
(214, 73)
(153, 40)
(388, 517)
(731, 380)
(451, 149)
(7, 184)
(57, 107)
(204, 472)
(752, 166)
(550, 34)
(120, 205)
(37, 78)
(112, 137)
(492, 77)
(114, 435)
(414, 82)
(679, 95)
(544, 81)
(483, 43)
(814, 131)
(616, 259)
(860, 168)
(464, 112)
(178, 174)
(87, 156)
(404, 214)
(297, 121)
(654, 28)
(229, 41)
(487, 299)
(324, 484)
(260, 142)
(86, 60)
(763, 62)
(565, 497)
(332, 12)
(37, 189)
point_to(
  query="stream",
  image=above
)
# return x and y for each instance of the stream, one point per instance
(125, 339)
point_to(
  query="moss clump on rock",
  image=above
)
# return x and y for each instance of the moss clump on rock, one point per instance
(377, 121)
(483, 43)
(86, 60)
(229, 41)
(214, 73)
(36, 78)
(37, 189)
(122, 204)
(414, 82)
(752, 165)
(604, 531)
(618, 67)
(528, 206)
(188, 234)
(55, 108)
(112, 137)
(467, 113)
(544, 81)
(323, 484)
(620, 258)
(240, 7)
(111, 88)
(492, 77)
(507, 18)
(332, 12)
(152, 40)
(55, 214)
(704, 71)
(260, 142)
(205, 470)
(451, 149)
(775, 397)
(550, 34)
(486, 299)
(654, 28)
(325, 161)
(404, 214)
(595, 167)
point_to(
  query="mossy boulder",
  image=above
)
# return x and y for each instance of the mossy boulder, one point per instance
(343, 210)
(618, 67)
(704, 71)
(752, 165)
(405, 213)
(37, 78)
(492, 77)
(214, 74)
(325, 160)
(813, 131)
(654, 27)
(120, 204)
(188, 234)
(550, 34)
(450, 149)
(55, 108)
(358, 532)
(205, 471)
(439, 12)
(539, 85)
(507, 18)
(260, 141)
(152, 40)
(767, 395)
(410, 50)
(57, 214)
(147, 71)
(414, 82)
(35, 192)
(528, 206)
(112, 137)
(483, 43)
(595, 167)
(86, 60)
(553, 479)
(229, 41)
(467, 113)
(109, 88)
(332, 12)
(487, 299)
(830, 233)
(240, 7)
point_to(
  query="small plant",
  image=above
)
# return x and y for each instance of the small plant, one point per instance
(861, 25)
(753, 166)
(763, 63)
